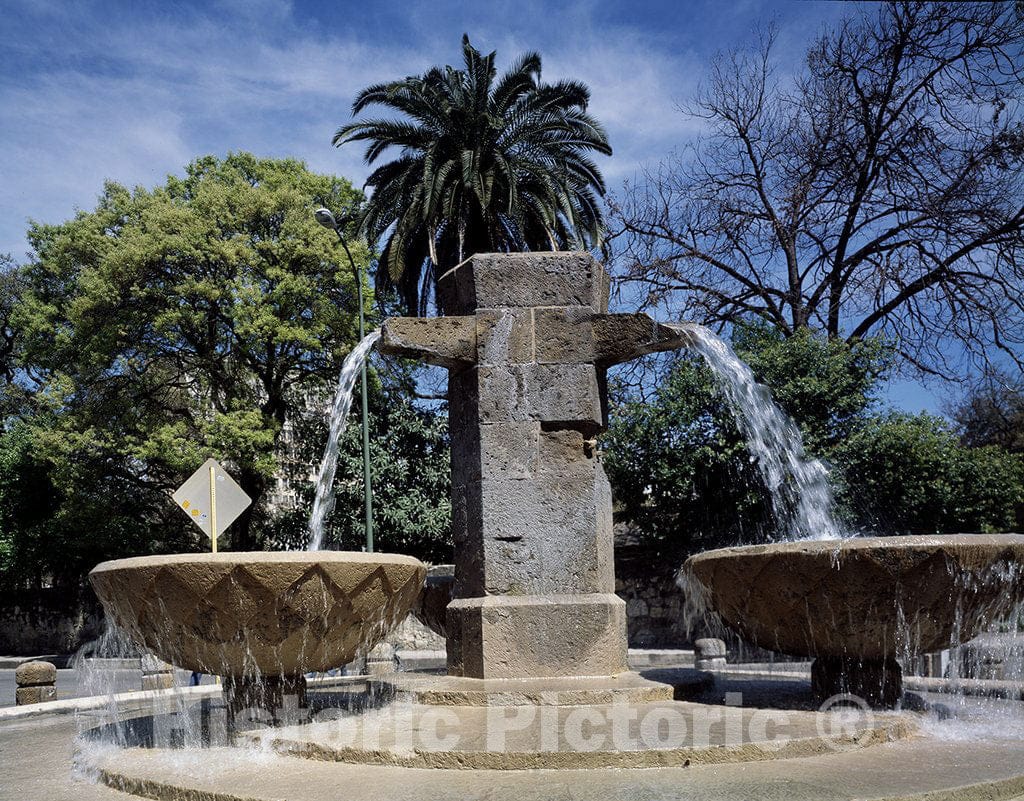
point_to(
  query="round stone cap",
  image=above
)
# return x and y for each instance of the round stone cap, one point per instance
(34, 674)
(709, 646)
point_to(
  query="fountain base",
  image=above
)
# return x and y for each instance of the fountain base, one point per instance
(433, 690)
(266, 701)
(878, 682)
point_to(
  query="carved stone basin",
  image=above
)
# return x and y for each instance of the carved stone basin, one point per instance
(266, 613)
(858, 604)
(431, 608)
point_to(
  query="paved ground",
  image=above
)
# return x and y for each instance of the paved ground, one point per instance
(917, 769)
(36, 764)
(962, 764)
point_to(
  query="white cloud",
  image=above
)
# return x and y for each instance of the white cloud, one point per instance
(133, 96)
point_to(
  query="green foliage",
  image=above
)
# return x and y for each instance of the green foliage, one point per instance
(911, 474)
(678, 466)
(486, 164)
(173, 324)
(826, 384)
(57, 521)
(410, 474)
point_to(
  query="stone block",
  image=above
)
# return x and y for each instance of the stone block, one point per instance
(35, 674)
(565, 452)
(501, 392)
(444, 341)
(35, 694)
(538, 636)
(381, 660)
(504, 336)
(564, 335)
(157, 681)
(623, 337)
(154, 664)
(568, 395)
(522, 280)
(537, 535)
(509, 450)
(708, 647)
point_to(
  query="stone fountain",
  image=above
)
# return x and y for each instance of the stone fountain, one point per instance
(536, 636)
(527, 354)
(261, 620)
(857, 606)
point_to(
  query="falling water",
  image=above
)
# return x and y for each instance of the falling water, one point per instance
(802, 500)
(323, 502)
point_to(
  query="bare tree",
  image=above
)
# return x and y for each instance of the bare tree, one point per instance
(991, 412)
(879, 191)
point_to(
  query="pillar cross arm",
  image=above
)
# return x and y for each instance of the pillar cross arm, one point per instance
(622, 337)
(444, 341)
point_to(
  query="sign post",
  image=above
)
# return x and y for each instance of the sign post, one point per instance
(212, 500)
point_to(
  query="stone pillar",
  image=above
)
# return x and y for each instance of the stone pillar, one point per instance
(156, 674)
(709, 654)
(37, 682)
(534, 592)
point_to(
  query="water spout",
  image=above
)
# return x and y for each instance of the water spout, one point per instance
(802, 499)
(323, 501)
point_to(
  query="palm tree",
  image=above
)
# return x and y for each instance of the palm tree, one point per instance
(485, 165)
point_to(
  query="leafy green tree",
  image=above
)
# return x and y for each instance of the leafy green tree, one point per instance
(679, 468)
(911, 474)
(485, 164)
(59, 519)
(173, 324)
(825, 384)
(411, 476)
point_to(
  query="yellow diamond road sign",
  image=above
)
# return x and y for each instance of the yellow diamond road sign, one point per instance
(193, 497)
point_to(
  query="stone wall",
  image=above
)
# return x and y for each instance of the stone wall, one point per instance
(654, 610)
(48, 621)
(411, 635)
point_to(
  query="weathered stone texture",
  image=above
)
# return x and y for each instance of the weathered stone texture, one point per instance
(34, 674)
(527, 636)
(866, 598)
(444, 341)
(504, 336)
(523, 280)
(564, 335)
(35, 695)
(280, 613)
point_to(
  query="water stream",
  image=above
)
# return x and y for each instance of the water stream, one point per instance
(323, 501)
(802, 500)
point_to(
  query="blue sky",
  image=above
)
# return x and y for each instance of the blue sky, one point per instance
(132, 91)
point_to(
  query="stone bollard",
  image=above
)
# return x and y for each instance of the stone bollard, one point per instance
(156, 674)
(381, 660)
(709, 654)
(37, 682)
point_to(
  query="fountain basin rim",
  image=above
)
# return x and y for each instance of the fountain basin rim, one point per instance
(296, 557)
(855, 544)
(865, 598)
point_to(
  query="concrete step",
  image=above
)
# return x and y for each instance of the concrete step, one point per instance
(913, 769)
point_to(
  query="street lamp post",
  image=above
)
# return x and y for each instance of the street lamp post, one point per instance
(327, 220)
